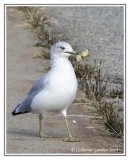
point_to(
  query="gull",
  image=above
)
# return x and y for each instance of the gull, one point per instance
(55, 91)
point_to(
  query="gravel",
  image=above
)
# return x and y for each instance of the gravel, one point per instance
(98, 28)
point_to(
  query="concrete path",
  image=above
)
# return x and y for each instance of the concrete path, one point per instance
(22, 131)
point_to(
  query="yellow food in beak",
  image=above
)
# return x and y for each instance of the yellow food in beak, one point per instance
(78, 58)
(82, 55)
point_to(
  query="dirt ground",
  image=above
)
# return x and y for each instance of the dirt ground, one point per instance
(22, 131)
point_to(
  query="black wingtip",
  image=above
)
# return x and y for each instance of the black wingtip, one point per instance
(14, 113)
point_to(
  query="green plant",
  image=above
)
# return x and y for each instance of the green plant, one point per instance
(36, 18)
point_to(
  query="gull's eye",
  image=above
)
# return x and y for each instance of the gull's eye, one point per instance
(62, 48)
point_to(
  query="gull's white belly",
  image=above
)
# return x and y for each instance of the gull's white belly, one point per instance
(46, 101)
(55, 97)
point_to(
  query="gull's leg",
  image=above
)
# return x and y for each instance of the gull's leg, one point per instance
(40, 128)
(70, 138)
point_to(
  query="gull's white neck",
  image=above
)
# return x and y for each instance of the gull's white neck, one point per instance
(61, 63)
(62, 73)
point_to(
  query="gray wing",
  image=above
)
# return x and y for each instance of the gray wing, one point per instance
(38, 86)
(24, 106)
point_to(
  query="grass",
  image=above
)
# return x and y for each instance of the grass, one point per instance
(41, 23)
(112, 120)
(36, 18)
(96, 87)
(90, 77)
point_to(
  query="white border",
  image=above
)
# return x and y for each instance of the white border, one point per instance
(1, 64)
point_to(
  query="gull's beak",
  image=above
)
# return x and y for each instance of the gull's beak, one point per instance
(73, 52)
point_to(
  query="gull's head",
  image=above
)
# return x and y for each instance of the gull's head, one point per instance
(62, 49)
